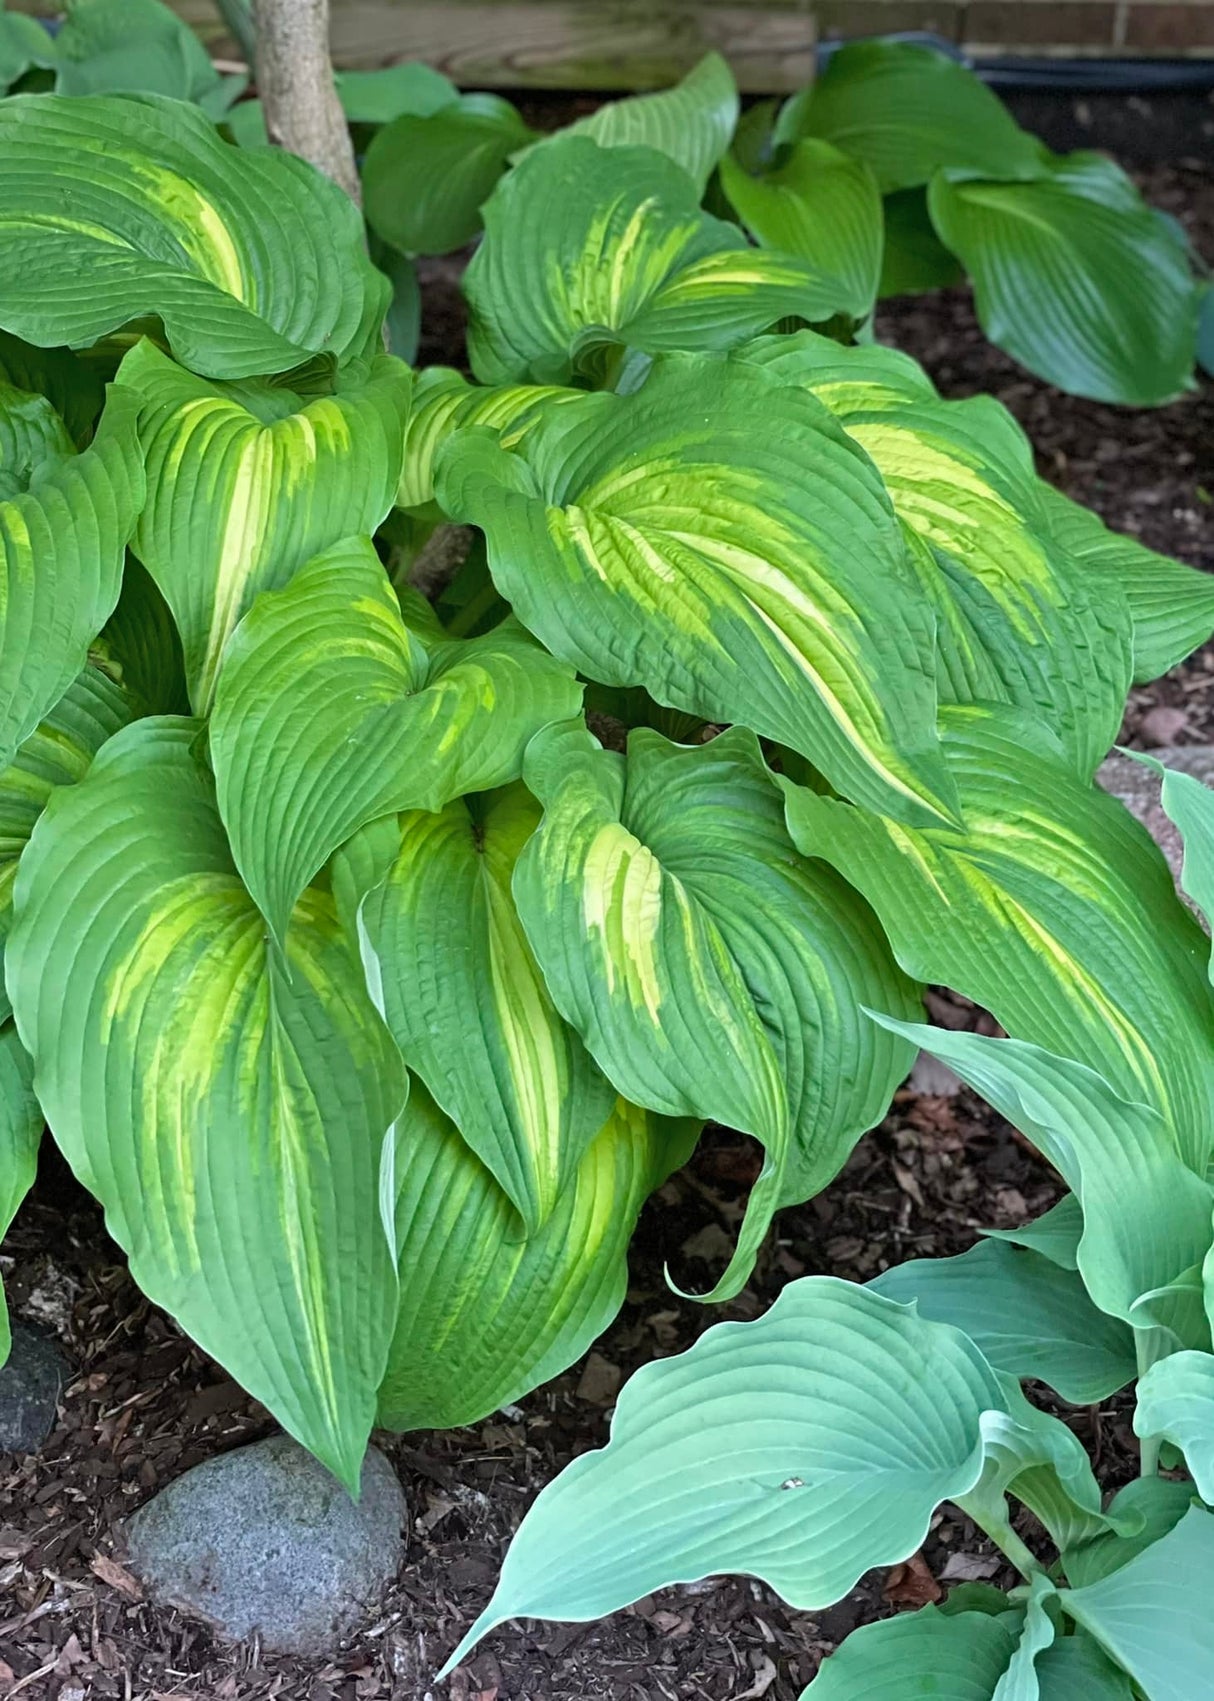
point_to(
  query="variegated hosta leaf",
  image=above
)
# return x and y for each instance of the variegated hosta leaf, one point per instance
(226, 1102)
(332, 709)
(477, 1024)
(691, 123)
(56, 754)
(444, 402)
(486, 1316)
(1176, 1401)
(113, 208)
(1108, 1150)
(63, 533)
(592, 249)
(247, 483)
(1054, 910)
(717, 539)
(1171, 605)
(803, 1448)
(710, 970)
(20, 1132)
(822, 205)
(1018, 621)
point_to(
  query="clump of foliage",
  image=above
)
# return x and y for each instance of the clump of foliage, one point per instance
(373, 956)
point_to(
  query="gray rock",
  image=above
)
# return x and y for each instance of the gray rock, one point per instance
(932, 1078)
(1137, 786)
(30, 1385)
(263, 1540)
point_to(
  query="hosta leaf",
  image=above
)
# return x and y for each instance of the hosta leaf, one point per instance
(821, 204)
(226, 1103)
(690, 123)
(477, 1024)
(20, 1133)
(1054, 910)
(63, 536)
(332, 710)
(846, 380)
(1171, 605)
(1028, 1317)
(717, 539)
(444, 402)
(1107, 1150)
(907, 110)
(913, 258)
(1189, 805)
(710, 971)
(24, 44)
(425, 177)
(1176, 1401)
(1148, 1507)
(113, 208)
(486, 1316)
(1055, 1234)
(73, 389)
(247, 483)
(1153, 1615)
(33, 439)
(1076, 278)
(56, 754)
(1018, 622)
(921, 1656)
(377, 97)
(1075, 1669)
(802, 1449)
(403, 322)
(131, 47)
(588, 249)
(140, 648)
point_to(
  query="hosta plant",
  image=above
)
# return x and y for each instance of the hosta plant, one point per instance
(817, 1442)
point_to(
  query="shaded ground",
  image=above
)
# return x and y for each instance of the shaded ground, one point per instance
(146, 1406)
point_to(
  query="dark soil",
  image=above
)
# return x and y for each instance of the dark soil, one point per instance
(146, 1405)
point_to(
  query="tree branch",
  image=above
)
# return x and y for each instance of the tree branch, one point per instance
(295, 82)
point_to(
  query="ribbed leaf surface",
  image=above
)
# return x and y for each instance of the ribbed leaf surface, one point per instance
(1076, 278)
(246, 484)
(485, 1316)
(227, 1104)
(717, 539)
(710, 970)
(20, 1133)
(444, 402)
(589, 248)
(113, 208)
(691, 123)
(332, 710)
(1176, 1401)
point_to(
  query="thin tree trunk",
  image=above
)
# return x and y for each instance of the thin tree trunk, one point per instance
(295, 82)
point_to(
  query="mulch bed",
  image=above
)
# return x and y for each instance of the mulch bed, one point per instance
(145, 1405)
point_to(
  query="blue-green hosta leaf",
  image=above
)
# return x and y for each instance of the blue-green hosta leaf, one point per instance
(710, 970)
(1028, 1316)
(403, 321)
(426, 177)
(1171, 605)
(920, 1656)
(1108, 1151)
(1054, 910)
(477, 1024)
(1018, 621)
(485, 1316)
(1176, 1401)
(1189, 805)
(821, 204)
(717, 539)
(691, 123)
(1153, 1615)
(803, 1449)
(1075, 1668)
(20, 1133)
(246, 484)
(24, 44)
(444, 401)
(906, 111)
(1076, 278)
(590, 249)
(57, 753)
(131, 47)
(332, 710)
(1147, 1508)
(913, 259)
(1055, 1234)
(113, 208)
(71, 387)
(63, 536)
(377, 97)
(226, 1103)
